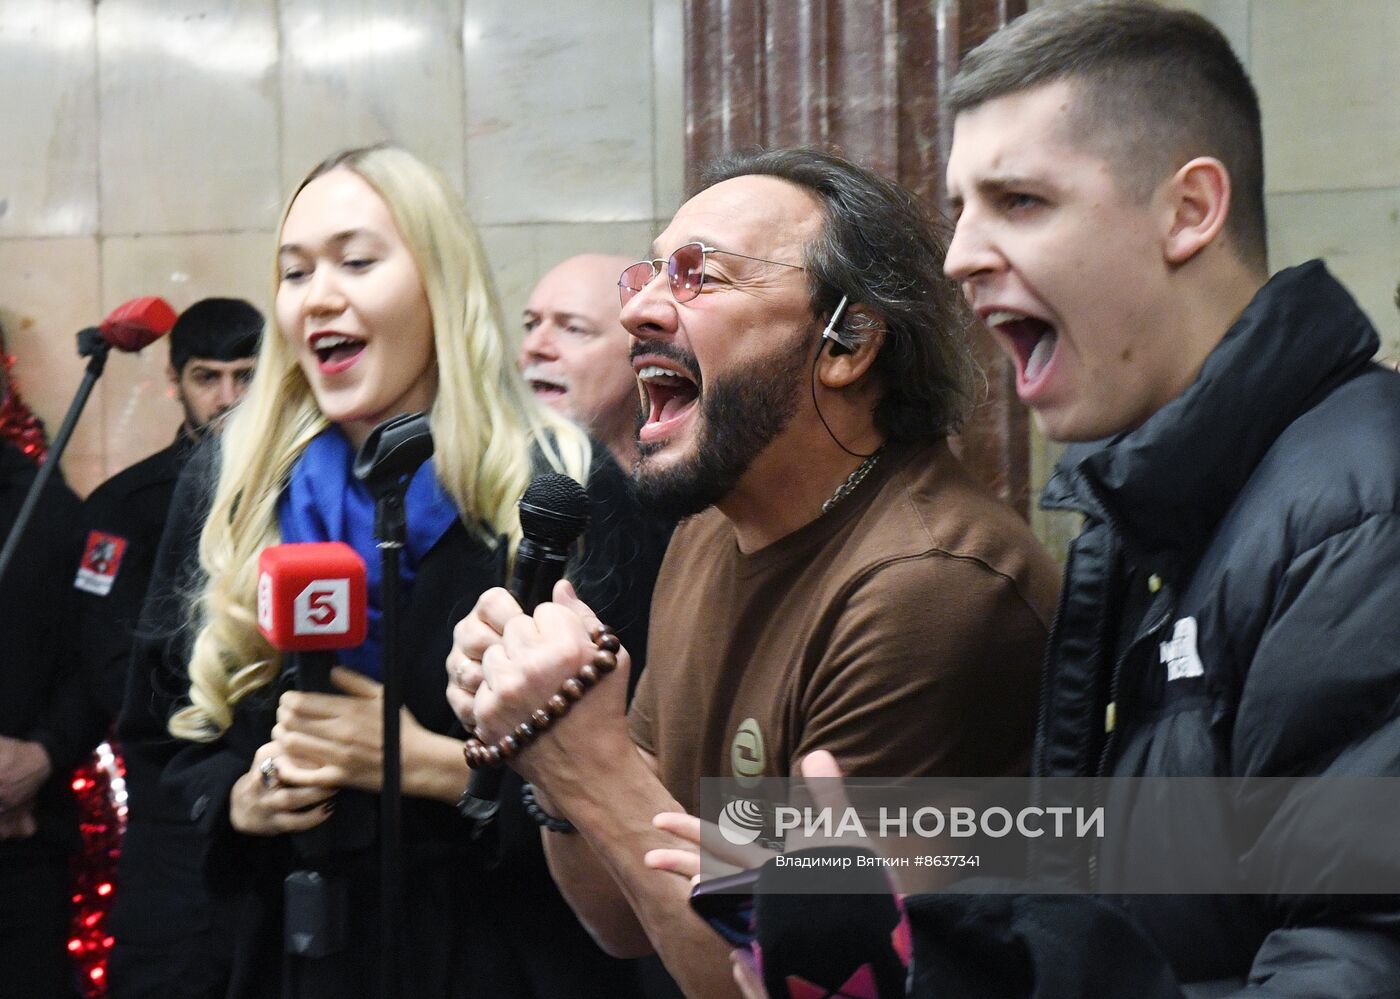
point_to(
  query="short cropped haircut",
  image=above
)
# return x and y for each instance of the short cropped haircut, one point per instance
(1154, 88)
(883, 249)
(217, 329)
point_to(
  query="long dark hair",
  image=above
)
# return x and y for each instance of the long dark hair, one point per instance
(883, 249)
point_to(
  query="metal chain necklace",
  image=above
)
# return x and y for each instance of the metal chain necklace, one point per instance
(853, 480)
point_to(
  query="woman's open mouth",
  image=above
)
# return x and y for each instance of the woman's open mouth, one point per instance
(335, 352)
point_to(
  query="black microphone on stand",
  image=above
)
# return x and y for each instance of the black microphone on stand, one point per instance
(386, 463)
(553, 513)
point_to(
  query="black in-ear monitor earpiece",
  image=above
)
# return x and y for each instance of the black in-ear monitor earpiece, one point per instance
(841, 343)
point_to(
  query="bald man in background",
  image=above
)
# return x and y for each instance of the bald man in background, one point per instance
(575, 352)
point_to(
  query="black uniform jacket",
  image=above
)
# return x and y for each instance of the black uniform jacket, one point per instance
(128, 510)
(41, 689)
(160, 913)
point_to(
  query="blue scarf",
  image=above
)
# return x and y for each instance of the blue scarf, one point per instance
(325, 502)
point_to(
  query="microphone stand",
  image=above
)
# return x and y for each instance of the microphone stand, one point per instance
(385, 463)
(92, 346)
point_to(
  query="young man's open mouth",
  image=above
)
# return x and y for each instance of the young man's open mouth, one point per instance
(1033, 342)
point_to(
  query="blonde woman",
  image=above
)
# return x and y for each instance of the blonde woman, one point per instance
(383, 306)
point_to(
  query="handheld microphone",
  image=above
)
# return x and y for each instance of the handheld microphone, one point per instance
(312, 599)
(312, 602)
(553, 513)
(137, 323)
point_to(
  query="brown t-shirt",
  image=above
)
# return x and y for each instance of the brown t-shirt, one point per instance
(903, 632)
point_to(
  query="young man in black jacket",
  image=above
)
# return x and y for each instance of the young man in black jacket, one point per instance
(1230, 606)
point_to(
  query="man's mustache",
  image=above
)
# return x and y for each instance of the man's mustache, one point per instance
(541, 373)
(684, 359)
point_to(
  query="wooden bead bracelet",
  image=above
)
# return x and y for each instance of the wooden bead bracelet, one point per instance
(480, 756)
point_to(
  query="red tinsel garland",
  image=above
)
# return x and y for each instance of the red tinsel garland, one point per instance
(100, 788)
(98, 784)
(18, 423)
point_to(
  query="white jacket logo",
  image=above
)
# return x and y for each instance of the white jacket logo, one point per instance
(1180, 653)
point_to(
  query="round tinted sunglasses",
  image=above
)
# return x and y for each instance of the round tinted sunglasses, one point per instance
(685, 269)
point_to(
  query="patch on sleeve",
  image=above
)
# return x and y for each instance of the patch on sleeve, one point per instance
(102, 558)
(1179, 654)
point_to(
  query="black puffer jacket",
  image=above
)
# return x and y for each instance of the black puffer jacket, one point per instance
(1259, 512)
(1231, 608)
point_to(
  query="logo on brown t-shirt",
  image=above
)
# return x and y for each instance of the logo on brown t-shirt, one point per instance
(746, 757)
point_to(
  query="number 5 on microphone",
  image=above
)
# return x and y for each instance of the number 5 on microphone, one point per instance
(323, 608)
(311, 596)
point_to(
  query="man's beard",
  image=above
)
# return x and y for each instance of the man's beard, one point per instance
(195, 430)
(738, 416)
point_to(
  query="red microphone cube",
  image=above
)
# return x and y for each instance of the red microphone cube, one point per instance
(135, 324)
(312, 596)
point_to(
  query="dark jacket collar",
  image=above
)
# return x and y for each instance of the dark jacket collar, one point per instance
(1166, 484)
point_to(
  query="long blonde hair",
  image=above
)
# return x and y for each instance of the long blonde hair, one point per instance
(485, 422)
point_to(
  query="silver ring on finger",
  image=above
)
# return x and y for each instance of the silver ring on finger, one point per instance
(270, 777)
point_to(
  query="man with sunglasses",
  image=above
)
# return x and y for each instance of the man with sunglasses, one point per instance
(840, 581)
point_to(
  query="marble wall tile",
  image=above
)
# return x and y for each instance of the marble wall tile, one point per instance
(631, 239)
(511, 251)
(557, 242)
(140, 414)
(559, 118)
(363, 71)
(188, 110)
(1357, 233)
(1326, 75)
(668, 105)
(49, 289)
(520, 255)
(48, 117)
